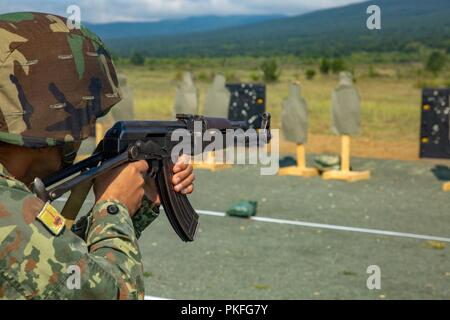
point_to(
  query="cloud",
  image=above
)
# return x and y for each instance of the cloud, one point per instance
(100, 11)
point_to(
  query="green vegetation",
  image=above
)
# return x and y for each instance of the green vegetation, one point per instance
(270, 70)
(436, 62)
(310, 74)
(325, 66)
(137, 59)
(337, 65)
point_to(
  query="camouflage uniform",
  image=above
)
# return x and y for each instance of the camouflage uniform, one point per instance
(54, 83)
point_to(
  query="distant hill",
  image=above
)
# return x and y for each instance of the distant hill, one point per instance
(406, 24)
(174, 26)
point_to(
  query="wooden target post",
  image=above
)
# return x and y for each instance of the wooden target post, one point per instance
(344, 173)
(300, 169)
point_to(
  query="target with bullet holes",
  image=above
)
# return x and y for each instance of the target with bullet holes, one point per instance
(434, 130)
(247, 102)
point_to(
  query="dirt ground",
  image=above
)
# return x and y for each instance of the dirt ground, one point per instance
(360, 147)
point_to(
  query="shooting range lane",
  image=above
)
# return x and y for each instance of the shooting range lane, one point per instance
(321, 226)
(239, 259)
(242, 259)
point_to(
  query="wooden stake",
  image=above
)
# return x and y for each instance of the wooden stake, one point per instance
(301, 158)
(344, 173)
(345, 153)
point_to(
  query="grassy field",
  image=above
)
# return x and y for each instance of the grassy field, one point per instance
(391, 98)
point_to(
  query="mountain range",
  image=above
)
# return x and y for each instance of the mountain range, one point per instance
(406, 25)
(174, 26)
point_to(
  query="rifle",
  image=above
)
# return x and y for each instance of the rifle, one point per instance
(129, 141)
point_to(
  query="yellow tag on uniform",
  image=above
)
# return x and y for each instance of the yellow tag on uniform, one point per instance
(51, 218)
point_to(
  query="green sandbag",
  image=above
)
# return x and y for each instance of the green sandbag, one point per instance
(327, 162)
(243, 209)
(287, 161)
(345, 107)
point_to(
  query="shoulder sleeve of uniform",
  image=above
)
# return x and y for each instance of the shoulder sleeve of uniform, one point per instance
(111, 236)
(38, 262)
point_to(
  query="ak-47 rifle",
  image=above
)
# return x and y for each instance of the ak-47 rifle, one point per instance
(129, 141)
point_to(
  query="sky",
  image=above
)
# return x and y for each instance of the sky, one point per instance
(102, 11)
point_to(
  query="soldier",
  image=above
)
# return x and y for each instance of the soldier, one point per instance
(54, 83)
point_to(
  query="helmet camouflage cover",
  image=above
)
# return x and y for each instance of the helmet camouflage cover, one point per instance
(54, 82)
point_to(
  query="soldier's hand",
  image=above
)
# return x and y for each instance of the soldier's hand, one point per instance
(183, 175)
(182, 180)
(124, 184)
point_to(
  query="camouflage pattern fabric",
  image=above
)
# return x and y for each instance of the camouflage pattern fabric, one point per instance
(186, 99)
(294, 117)
(54, 82)
(145, 215)
(345, 107)
(36, 264)
(123, 110)
(217, 99)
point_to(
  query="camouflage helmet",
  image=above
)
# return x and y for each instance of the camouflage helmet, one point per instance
(54, 82)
